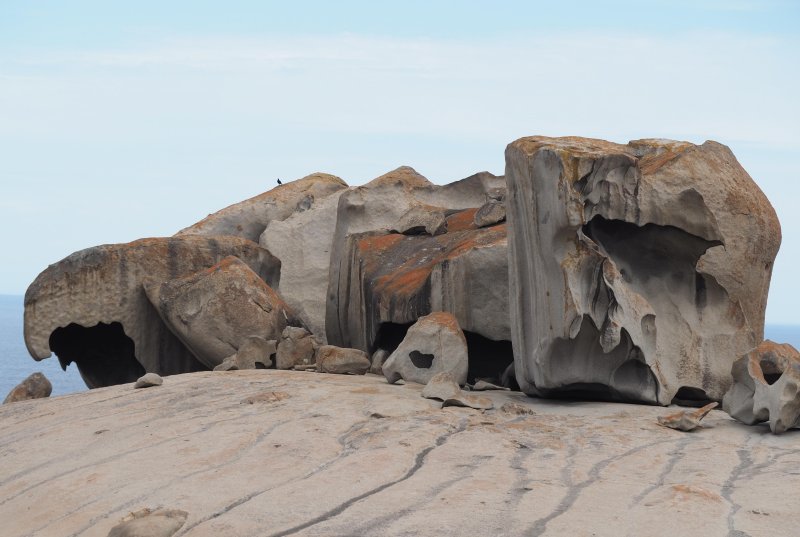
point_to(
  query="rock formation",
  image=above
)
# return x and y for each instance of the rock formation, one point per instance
(215, 310)
(766, 387)
(686, 420)
(630, 272)
(434, 344)
(254, 353)
(637, 272)
(148, 380)
(35, 386)
(90, 308)
(331, 359)
(249, 218)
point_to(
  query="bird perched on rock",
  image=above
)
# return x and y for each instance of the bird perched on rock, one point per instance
(279, 182)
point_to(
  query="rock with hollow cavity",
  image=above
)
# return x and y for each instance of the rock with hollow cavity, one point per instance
(148, 380)
(249, 218)
(636, 270)
(331, 359)
(295, 347)
(766, 387)
(686, 420)
(90, 308)
(215, 310)
(150, 523)
(434, 344)
(35, 386)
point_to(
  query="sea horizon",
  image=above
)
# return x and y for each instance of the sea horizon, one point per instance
(16, 363)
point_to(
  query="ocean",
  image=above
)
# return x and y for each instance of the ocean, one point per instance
(16, 363)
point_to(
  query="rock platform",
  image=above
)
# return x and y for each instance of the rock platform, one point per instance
(271, 453)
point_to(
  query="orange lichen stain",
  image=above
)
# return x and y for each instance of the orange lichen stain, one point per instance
(680, 492)
(462, 220)
(379, 243)
(442, 318)
(650, 164)
(367, 390)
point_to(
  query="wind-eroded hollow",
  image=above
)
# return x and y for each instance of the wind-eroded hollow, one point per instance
(104, 354)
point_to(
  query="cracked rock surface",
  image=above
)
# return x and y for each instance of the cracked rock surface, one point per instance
(289, 453)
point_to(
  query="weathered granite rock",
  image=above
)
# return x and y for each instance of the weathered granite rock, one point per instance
(35, 386)
(392, 279)
(434, 344)
(90, 308)
(490, 213)
(686, 420)
(254, 353)
(148, 380)
(295, 347)
(420, 219)
(377, 359)
(766, 387)
(638, 271)
(150, 523)
(303, 243)
(482, 386)
(215, 310)
(331, 359)
(378, 206)
(249, 218)
(444, 388)
(441, 386)
(528, 467)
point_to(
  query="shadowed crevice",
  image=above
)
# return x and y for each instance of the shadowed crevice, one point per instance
(104, 354)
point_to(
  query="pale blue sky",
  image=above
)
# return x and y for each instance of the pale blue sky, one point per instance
(125, 120)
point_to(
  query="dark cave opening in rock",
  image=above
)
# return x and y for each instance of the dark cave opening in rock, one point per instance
(420, 360)
(104, 354)
(657, 260)
(488, 359)
(771, 371)
(691, 397)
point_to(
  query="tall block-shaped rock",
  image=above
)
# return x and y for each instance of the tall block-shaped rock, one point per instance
(637, 272)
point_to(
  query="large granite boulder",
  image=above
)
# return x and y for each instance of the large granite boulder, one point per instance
(434, 344)
(250, 217)
(215, 310)
(35, 386)
(303, 243)
(638, 272)
(90, 308)
(766, 387)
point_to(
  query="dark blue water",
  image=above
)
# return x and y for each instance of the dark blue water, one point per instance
(16, 363)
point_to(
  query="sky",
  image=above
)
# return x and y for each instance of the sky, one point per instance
(122, 120)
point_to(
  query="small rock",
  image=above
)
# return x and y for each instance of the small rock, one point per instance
(470, 401)
(149, 379)
(482, 385)
(36, 386)
(296, 347)
(686, 420)
(342, 361)
(378, 357)
(149, 523)
(265, 397)
(489, 214)
(422, 219)
(254, 353)
(443, 387)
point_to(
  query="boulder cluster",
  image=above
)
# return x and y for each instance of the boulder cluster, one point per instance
(633, 272)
